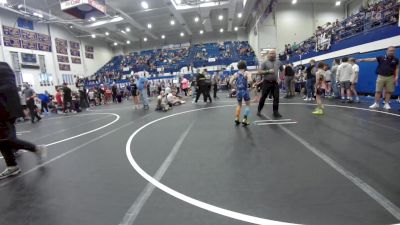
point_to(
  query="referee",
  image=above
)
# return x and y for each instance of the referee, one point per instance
(270, 71)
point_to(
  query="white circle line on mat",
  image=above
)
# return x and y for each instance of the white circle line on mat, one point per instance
(88, 132)
(204, 205)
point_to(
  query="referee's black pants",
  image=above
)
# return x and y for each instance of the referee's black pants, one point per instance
(267, 88)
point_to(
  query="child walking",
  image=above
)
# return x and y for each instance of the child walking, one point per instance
(243, 80)
(320, 86)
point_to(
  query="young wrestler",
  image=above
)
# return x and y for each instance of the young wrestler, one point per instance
(243, 79)
(320, 87)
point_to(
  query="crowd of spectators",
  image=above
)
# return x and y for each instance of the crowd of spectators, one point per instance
(385, 12)
(169, 60)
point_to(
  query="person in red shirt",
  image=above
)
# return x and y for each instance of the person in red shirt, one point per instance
(59, 99)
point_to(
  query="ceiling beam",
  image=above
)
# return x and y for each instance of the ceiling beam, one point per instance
(178, 17)
(206, 20)
(231, 14)
(132, 21)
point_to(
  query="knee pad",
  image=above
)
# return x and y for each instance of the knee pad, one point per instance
(247, 111)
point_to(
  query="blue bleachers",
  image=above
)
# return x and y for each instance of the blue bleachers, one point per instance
(172, 60)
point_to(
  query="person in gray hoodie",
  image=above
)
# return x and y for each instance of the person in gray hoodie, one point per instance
(344, 74)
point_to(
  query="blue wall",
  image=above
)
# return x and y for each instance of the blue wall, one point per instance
(367, 78)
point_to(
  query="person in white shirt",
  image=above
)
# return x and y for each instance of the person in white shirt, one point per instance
(344, 74)
(354, 79)
(328, 80)
(173, 100)
(162, 102)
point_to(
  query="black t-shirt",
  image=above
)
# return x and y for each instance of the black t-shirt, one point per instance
(67, 93)
(201, 80)
(387, 66)
(289, 71)
(134, 88)
(309, 71)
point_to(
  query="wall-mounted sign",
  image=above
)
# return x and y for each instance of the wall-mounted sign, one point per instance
(12, 42)
(64, 67)
(74, 45)
(89, 48)
(11, 32)
(62, 58)
(28, 35)
(89, 55)
(75, 53)
(29, 44)
(25, 23)
(76, 60)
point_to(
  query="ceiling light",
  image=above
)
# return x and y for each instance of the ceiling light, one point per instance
(221, 30)
(128, 42)
(122, 31)
(145, 39)
(92, 19)
(201, 31)
(240, 15)
(71, 26)
(236, 28)
(107, 33)
(20, 6)
(113, 20)
(145, 5)
(128, 29)
(149, 26)
(116, 19)
(93, 36)
(115, 43)
(182, 34)
(294, 2)
(172, 22)
(38, 15)
(196, 19)
(163, 36)
(337, 3)
(220, 17)
(178, 1)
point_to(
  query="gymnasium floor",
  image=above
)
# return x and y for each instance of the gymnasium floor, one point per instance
(341, 168)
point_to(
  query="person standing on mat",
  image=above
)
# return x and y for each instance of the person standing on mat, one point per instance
(354, 79)
(243, 80)
(10, 110)
(67, 98)
(208, 86)
(270, 69)
(289, 77)
(310, 81)
(320, 86)
(215, 82)
(30, 102)
(142, 87)
(201, 87)
(388, 76)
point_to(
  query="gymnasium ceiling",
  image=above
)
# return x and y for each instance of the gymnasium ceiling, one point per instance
(159, 14)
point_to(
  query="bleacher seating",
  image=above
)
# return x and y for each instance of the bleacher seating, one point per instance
(172, 60)
(376, 16)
